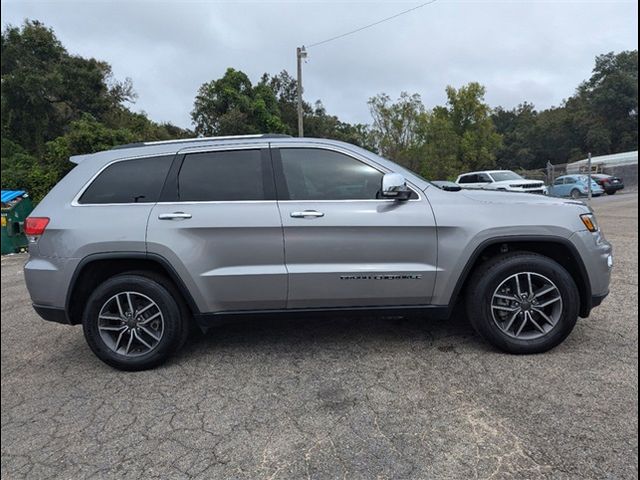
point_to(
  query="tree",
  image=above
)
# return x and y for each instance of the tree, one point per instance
(44, 87)
(231, 105)
(471, 120)
(395, 131)
(55, 104)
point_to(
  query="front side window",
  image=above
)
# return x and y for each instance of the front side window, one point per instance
(316, 174)
(559, 181)
(129, 181)
(469, 179)
(222, 176)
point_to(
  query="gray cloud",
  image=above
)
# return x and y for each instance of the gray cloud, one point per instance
(535, 51)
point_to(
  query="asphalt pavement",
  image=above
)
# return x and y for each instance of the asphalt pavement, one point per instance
(326, 399)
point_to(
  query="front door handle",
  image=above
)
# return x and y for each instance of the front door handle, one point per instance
(307, 214)
(174, 216)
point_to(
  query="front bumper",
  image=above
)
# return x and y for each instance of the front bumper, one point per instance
(597, 256)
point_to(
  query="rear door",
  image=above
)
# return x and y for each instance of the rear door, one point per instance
(345, 246)
(218, 224)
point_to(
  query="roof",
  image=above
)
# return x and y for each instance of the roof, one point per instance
(201, 139)
(485, 171)
(170, 147)
(615, 160)
(8, 195)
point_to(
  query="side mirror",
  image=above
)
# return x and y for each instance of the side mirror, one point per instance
(394, 186)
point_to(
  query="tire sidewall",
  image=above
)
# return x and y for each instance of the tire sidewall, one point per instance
(133, 283)
(535, 264)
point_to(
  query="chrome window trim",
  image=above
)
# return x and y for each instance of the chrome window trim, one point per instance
(354, 155)
(214, 202)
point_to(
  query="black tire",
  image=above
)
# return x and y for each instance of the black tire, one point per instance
(575, 194)
(487, 278)
(174, 325)
(611, 192)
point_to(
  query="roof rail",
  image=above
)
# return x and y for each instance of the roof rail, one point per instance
(201, 139)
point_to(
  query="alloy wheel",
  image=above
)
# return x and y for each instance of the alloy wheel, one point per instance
(131, 324)
(526, 306)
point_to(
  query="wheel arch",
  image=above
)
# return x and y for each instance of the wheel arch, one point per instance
(96, 268)
(557, 248)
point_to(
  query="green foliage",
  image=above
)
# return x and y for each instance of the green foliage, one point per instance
(55, 105)
(231, 105)
(601, 118)
(438, 143)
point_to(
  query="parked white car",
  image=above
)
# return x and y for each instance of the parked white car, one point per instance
(502, 180)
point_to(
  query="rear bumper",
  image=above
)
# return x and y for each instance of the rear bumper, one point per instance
(52, 314)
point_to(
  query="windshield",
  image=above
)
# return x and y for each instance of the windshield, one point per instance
(506, 175)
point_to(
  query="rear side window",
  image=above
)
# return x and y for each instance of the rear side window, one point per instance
(223, 176)
(129, 181)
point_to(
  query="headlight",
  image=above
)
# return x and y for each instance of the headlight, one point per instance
(589, 220)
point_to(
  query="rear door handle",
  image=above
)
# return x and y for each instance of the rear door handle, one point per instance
(307, 214)
(174, 216)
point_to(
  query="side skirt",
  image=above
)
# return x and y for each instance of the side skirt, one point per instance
(437, 312)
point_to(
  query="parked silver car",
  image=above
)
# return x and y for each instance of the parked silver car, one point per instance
(140, 242)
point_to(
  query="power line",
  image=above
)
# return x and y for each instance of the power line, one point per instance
(372, 24)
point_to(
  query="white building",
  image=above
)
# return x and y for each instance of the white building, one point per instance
(604, 162)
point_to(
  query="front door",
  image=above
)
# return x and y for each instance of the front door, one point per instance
(219, 226)
(345, 246)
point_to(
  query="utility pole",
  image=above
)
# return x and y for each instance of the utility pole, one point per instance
(590, 193)
(301, 53)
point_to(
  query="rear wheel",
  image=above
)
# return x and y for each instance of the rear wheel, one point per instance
(611, 192)
(132, 322)
(523, 303)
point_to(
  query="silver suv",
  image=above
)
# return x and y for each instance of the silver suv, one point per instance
(141, 242)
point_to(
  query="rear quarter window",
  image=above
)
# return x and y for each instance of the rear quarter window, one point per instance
(129, 181)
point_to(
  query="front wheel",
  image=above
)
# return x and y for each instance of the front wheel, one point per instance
(575, 194)
(611, 192)
(523, 303)
(132, 322)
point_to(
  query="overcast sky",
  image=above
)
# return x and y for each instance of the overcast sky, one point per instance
(536, 51)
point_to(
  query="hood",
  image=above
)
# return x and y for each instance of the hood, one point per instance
(492, 196)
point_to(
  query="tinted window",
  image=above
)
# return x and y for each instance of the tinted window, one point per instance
(469, 179)
(222, 176)
(314, 174)
(484, 178)
(129, 181)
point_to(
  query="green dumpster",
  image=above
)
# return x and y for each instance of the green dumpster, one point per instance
(16, 206)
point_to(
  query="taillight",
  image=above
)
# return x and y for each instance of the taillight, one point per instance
(35, 226)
